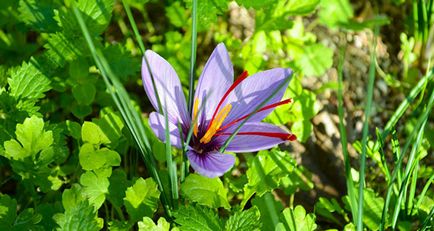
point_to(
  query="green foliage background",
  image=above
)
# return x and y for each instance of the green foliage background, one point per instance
(69, 162)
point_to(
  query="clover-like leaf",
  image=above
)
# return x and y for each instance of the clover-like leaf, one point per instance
(296, 219)
(141, 199)
(147, 224)
(92, 159)
(95, 185)
(92, 133)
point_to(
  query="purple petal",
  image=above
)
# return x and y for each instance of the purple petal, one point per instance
(254, 90)
(210, 164)
(167, 85)
(216, 78)
(157, 123)
(252, 143)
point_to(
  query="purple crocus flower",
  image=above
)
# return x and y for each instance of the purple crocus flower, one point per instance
(226, 104)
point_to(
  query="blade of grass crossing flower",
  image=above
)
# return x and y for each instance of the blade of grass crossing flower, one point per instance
(261, 105)
(171, 166)
(410, 165)
(130, 116)
(343, 135)
(359, 223)
(134, 26)
(184, 165)
(193, 54)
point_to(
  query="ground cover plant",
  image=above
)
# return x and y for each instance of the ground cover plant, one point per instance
(216, 115)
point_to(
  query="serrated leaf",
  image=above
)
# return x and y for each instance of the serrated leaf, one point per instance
(147, 224)
(141, 199)
(27, 82)
(98, 13)
(197, 218)
(95, 185)
(205, 191)
(38, 15)
(92, 133)
(61, 48)
(79, 217)
(248, 220)
(296, 219)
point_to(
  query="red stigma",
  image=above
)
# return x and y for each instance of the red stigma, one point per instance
(240, 78)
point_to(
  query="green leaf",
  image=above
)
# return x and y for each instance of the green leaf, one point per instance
(91, 159)
(61, 48)
(315, 60)
(197, 218)
(38, 15)
(205, 191)
(115, 225)
(74, 129)
(31, 139)
(80, 217)
(92, 133)
(296, 219)
(266, 171)
(141, 199)
(111, 124)
(84, 93)
(335, 12)
(177, 15)
(26, 220)
(208, 11)
(118, 186)
(97, 13)
(301, 7)
(325, 207)
(27, 82)
(269, 208)
(148, 225)
(95, 185)
(8, 208)
(248, 220)
(121, 62)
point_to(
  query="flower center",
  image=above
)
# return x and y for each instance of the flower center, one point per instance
(216, 124)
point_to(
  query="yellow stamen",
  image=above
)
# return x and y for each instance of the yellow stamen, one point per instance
(216, 124)
(195, 108)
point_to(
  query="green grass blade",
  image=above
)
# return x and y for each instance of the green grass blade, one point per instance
(424, 191)
(410, 165)
(359, 223)
(403, 107)
(343, 135)
(123, 103)
(134, 26)
(193, 54)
